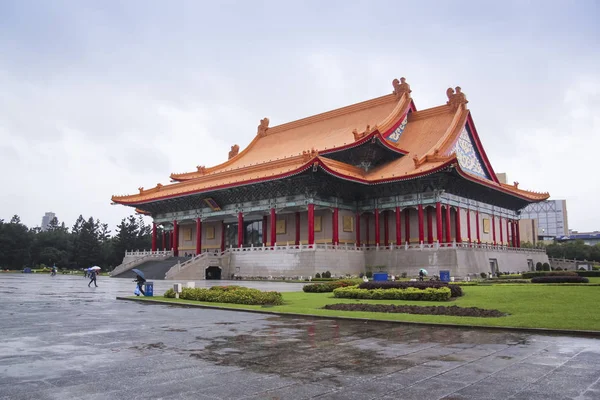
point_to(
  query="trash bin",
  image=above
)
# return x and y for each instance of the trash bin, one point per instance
(149, 289)
(380, 276)
(445, 276)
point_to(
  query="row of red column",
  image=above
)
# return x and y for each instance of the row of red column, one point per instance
(512, 228)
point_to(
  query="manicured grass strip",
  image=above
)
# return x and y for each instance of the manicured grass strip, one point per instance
(528, 306)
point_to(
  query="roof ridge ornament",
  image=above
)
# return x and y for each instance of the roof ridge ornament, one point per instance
(234, 151)
(360, 135)
(263, 127)
(401, 87)
(141, 189)
(456, 99)
(201, 169)
(309, 154)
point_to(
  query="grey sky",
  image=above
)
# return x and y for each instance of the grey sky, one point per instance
(101, 97)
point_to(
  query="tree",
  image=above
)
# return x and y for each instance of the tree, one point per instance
(15, 242)
(132, 234)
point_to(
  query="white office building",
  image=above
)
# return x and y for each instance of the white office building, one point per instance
(49, 216)
(551, 216)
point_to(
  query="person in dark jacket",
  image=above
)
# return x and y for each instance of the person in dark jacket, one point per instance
(140, 284)
(92, 277)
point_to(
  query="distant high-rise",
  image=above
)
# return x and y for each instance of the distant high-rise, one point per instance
(49, 216)
(551, 216)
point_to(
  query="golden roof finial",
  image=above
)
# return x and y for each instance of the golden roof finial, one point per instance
(262, 128)
(401, 87)
(234, 151)
(456, 99)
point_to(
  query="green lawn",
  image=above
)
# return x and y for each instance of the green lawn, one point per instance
(529, 306)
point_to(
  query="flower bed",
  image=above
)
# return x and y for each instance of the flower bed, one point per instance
(454, 311)
(229, 294)
(529, 275)
(329, 286)
(410, 293)
(559, 279)
(455, 290)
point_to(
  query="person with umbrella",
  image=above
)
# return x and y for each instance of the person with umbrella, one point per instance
(92, 275)
(140, 280)
(422, 273)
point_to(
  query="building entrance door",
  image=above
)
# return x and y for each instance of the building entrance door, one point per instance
(253, 234)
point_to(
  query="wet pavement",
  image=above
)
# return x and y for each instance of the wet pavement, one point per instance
(60, 339)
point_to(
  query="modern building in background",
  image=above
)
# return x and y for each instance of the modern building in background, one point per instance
(551, 216)
(49, 216)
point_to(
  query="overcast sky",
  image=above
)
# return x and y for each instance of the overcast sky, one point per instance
(100, 97)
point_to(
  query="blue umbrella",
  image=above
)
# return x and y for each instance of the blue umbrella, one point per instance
(139, 273)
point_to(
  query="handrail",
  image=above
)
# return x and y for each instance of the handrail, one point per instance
(143, 256)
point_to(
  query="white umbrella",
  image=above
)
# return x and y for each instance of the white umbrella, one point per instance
(95, 267)
(424, 271)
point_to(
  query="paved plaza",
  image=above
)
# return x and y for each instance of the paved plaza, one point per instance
(63, 340)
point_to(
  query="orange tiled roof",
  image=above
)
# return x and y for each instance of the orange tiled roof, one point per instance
(428, 138)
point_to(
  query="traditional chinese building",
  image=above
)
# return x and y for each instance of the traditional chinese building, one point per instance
(377, 183)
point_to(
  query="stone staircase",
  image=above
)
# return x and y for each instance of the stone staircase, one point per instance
(154, 269)
(194, 268)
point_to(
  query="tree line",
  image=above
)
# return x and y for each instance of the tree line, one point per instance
(572, 250)
(88, 242)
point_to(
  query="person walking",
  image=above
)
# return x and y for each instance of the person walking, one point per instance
(92, 277)
(421, 275)
(140, 283)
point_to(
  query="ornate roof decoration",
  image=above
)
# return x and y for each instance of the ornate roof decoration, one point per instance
(367, 131)
(159, 186)
(263, 127)
(401, 87)
(516, 184)
(234, 151)
(141, 189)
(456, 99)
(309, 154)
(201, 169)
(436, 157)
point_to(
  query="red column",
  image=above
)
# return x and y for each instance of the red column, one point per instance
(153, 236)
(386, 228)
(469, 225)
(198, 236)
(357, 222)
(240, 229)
(508, 232)
(421, 235)
(457, 226)
(273, 227)
(407, 225)
(264, 230)
(376, 227)
(368, 236)
(398, 230)
(297, 241)
(164, 239)
(175, 239)
(477, 226)
(448, 225)
(518, 235)
(494, 229)
(311, 224)
(170, 241)
(222, 236)
(429, 225)
(438, 221)
(334, 226)
(501, 235)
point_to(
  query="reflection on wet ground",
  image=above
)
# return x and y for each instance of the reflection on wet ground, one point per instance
(63, 340)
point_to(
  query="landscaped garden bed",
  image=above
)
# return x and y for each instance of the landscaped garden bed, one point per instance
(410, 293)
(327, 287)
(559, 279)
(455, 290)
(422, 310)
(229, 294)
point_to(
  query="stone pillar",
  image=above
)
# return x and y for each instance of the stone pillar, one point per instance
(438, 222)
(398, 230)
(264, 230)
(198, 236)
(429, 225)
(477, 227)
(508, 232)
(376, 227)
(240, 229)
(501, 235)
(311, 224)
(421, 234)
(469, 225)
(357, 222)
(448, 225)
(222, 236)
(518, 233)
(386, 228)
(170, 241)
(457, 231)
(368, 234)
(273, 228)
(335, 227)
(153, 236)
(297, 241)
(407, 225)
(494, 229)
(175, 239)
(164, 239)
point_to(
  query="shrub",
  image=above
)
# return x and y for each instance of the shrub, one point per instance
(529, 275)
(326, 274)
(317, 275)
(559, 279)
(411, 293)
(588, 273)
(546, 266)
(483, 275)
(229, 294)
(539, 266)
(328, 287)
(455, 290)
(404, 275)
(369, 274)
(558, 269)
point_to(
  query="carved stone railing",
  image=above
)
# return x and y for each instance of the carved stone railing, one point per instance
(141, 257)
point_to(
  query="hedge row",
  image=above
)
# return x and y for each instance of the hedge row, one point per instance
(559, 279)
(411, 293)
(328, 287)
(229, 294)
(588, 273)
(529, 275)
(455, 290)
